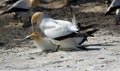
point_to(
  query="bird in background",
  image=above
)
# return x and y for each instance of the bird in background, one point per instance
(43, 43)
(8, 2)
(23, 9)
(115, 4)
(63, 33)
(117, 18)
(25, 5)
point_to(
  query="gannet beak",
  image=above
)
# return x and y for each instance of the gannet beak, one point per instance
(27, 38)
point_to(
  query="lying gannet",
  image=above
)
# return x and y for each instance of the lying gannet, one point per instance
(43, 43)
(113, 6)
(60, 32)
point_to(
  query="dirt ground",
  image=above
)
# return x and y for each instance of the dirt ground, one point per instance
(103, 56)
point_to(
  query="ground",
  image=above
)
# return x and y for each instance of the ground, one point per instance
(104, 48)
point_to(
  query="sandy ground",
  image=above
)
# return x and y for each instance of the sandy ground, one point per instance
(103, 56)
(104, 53)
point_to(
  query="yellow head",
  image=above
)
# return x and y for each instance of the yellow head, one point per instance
(36, 17)
(33, 36)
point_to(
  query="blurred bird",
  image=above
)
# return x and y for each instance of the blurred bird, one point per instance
(117, 18)
(113, 6)
(8, 2)
(23, 9)
(25, 5)
(19, 6)
(60, 32)
(43, 43)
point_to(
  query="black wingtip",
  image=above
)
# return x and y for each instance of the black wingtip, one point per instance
(91, 32)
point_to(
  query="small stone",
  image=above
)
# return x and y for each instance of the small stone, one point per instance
(62, 57)
(67, 66)
(32, 58)
(2, 43)
(81, 60)
(101, 58)
(102, 66)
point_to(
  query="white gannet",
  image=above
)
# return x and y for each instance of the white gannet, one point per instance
(43, 43)
(60, 32)
(113, 6)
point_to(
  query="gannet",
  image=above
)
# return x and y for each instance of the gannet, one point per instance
(60, 32)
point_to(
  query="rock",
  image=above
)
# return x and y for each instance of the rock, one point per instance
(2, 43)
